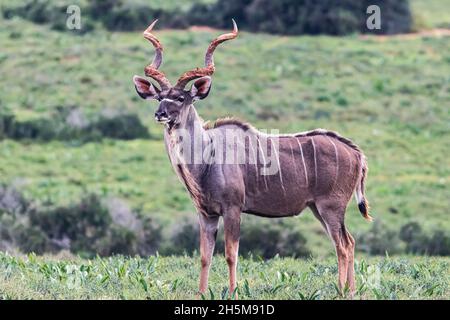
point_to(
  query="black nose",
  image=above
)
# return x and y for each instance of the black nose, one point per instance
(160, 114)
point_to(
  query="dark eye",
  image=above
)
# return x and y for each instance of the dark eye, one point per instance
(159, 99)
(180, 98)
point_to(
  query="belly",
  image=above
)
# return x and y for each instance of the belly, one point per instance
(273, 199)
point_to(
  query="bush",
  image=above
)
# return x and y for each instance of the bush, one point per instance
(6, 122)
(121, 126)
(15, 228)
(87, 228)
(127, 16)
(61, 127)
(262, 238)
(46, 11)
(108, 226)
(417, 242)
(135, 15)
(409, 239)
(412, 234)
(335, 17)
(184, 239)
(269, 238)
(439, 243)
(379, 240)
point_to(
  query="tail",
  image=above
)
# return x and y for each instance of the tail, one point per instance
(363, 204)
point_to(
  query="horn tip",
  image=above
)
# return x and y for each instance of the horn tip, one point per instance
(150, 27)
(235, 27)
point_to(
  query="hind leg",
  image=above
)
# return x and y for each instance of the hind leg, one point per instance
(316, 213)
(351, 262)
(332, 217)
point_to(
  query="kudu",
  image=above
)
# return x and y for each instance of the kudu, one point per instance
(318, 169)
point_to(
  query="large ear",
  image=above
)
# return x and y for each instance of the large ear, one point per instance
(145, 89)
(200, 88)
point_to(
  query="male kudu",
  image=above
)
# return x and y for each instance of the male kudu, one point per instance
(317, 169)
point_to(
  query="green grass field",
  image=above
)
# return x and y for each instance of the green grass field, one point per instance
(176, 278)
(390, 95)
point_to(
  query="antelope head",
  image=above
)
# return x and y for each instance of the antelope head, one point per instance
(175, 100)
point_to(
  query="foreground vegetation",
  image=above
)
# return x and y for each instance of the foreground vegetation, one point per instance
(158, 277)
(390, 96)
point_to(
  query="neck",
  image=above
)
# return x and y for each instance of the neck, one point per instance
(191, 123)
(185, 142)
(192, 120)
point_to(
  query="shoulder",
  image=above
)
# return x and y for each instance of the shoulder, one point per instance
(229, 122)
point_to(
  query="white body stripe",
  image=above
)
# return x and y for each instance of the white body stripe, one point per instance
(350, 162)
(255, 156)
(279, 166)
(337, 161)
(315, 161)
(303, 160)
(293, 158)
(264, 163)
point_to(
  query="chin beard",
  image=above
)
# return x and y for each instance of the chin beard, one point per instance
(170, 124)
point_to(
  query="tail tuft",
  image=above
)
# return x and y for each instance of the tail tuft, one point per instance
(363, 207)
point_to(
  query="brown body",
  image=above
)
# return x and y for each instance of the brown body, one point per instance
(313, 166)
(317, 169)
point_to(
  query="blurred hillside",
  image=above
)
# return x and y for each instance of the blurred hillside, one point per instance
(290, 17)
(67, 107)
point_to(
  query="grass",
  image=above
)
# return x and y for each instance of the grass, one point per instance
(171, 278)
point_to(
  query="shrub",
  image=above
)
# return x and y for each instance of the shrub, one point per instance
(15, 228)
(439, 243)
(417, 242)
(46, 11)
(127, 16)
(262, 238)
(61, 127)
(335, 17)
(149, 235)
(117, 240)
(82, 224)
(184, 239)
(6, 122)
(269, 238)
(409, 239)
(379, 240)
(12, 200)
(412, 234)
(121, 126)
(86, 228)
(396, 16)
(41, 129)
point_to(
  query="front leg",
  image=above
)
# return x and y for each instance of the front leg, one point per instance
(231, 224)
(208, 233)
